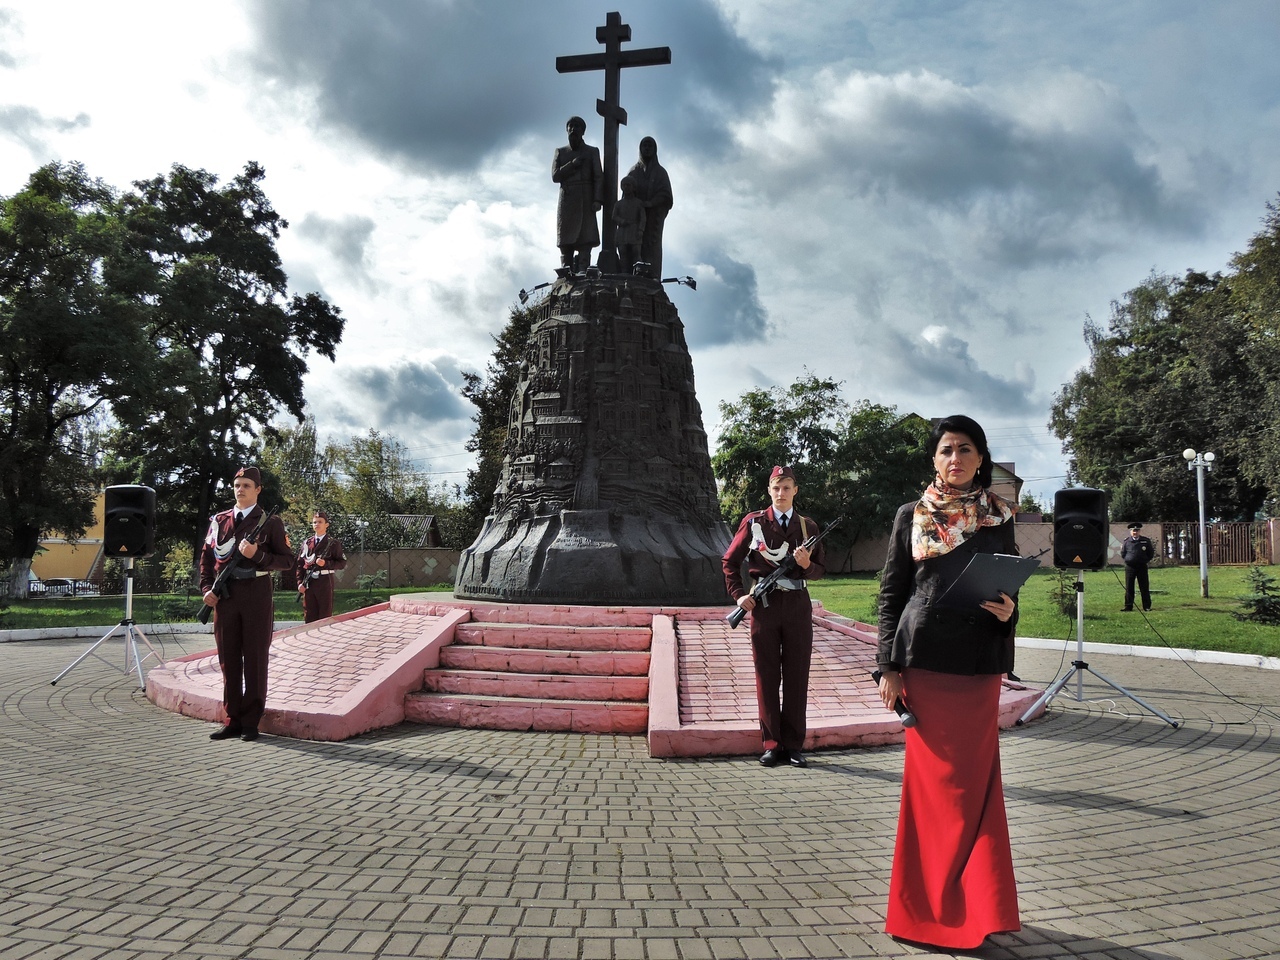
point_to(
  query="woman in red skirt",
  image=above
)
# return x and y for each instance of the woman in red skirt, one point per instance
(952, 882)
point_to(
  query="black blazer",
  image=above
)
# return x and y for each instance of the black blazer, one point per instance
(915, 633)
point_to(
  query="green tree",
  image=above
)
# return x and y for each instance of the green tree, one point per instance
(881, 462)
(71, 340)
(1262, 603)
(491, 394)
(1255, 291)
(292, 458)
(860, 462)
(799, 426)
(1029, 503)
(1171, 370)
(1131, 502)
(374, 479)
(232, 345)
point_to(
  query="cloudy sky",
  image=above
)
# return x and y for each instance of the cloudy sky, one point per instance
(922, 198)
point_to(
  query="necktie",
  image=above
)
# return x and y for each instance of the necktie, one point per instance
(783, 521)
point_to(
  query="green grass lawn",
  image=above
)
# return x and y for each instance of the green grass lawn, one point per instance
(1180, 615)
(166, 608)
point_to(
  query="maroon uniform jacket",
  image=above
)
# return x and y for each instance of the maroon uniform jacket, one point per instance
(224, 533)
(329, 550)
(742, 548)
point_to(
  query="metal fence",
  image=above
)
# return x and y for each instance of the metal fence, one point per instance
(1228, 543)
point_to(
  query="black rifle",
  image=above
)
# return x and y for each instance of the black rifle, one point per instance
(313, 574)
(783, 571)
(221, 586)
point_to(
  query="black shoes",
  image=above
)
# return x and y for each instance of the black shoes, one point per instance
(774, 756)
(247, 734)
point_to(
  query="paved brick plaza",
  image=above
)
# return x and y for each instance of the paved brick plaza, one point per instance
(124, 832)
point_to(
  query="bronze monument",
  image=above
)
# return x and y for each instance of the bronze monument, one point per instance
(606, 494)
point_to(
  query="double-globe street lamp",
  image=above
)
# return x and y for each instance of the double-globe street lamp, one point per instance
(1200, 462)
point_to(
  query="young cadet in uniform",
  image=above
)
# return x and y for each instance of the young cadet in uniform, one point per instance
(320, 557)
(243, 620)
(782, 632)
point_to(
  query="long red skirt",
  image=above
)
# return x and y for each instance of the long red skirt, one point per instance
(952, 881)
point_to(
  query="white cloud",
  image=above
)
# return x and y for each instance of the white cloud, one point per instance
(848, 177)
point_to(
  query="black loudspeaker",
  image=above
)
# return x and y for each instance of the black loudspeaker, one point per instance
(130, 522)
(1080, 530)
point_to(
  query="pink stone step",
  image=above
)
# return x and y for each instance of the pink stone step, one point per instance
(539, 636)
(513, 713)
(593, 663)
(438, 605)
(544, 686)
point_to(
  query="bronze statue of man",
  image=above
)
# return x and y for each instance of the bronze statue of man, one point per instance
(577, 169)
(653, 187)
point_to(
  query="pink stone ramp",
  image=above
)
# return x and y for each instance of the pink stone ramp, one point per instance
(329, 680)
(702, 689)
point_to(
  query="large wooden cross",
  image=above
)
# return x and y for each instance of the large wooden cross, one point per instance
(614, 58)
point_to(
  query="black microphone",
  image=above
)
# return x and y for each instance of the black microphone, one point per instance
(906, 716)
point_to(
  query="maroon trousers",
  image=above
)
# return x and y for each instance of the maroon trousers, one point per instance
(781, 647)
(242, 625)
(317, 601)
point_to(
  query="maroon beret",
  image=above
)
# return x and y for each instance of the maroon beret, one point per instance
(250, 473)
(785, 473)
(320, 515)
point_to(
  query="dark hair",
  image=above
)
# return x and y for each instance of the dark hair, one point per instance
(959, 423)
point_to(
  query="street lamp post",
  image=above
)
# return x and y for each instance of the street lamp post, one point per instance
(1200, 462)
(361, 526)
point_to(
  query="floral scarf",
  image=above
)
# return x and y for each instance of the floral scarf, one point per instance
(947, 516)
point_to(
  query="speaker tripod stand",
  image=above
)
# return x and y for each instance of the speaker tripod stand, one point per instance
(132, 659)
(1079, 667)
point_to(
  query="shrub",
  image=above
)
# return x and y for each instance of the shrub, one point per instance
(1262, 603)
(1062, 591)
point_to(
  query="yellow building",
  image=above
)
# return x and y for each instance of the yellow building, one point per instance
(57, 558)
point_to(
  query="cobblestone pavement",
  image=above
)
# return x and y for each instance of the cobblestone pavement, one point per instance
(125, 832)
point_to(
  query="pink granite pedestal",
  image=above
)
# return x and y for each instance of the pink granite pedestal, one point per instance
(432, 658)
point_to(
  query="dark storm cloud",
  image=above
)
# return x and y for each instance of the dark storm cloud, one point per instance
(444, 85)
(346, 239)
(726, 306)
(1036, 181)
(27, 124)
(404, 399)
(943, 367)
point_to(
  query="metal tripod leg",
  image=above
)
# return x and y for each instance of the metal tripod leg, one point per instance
(1052, 692)
(90, 652)
(1138, 700)
(1078, 669)
(132, 661)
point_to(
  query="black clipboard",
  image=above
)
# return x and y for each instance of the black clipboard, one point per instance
(986, 576)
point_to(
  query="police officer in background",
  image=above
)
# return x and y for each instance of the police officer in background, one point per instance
(782, 632)
(319, 559)
(1137, 551)
(243, 620)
